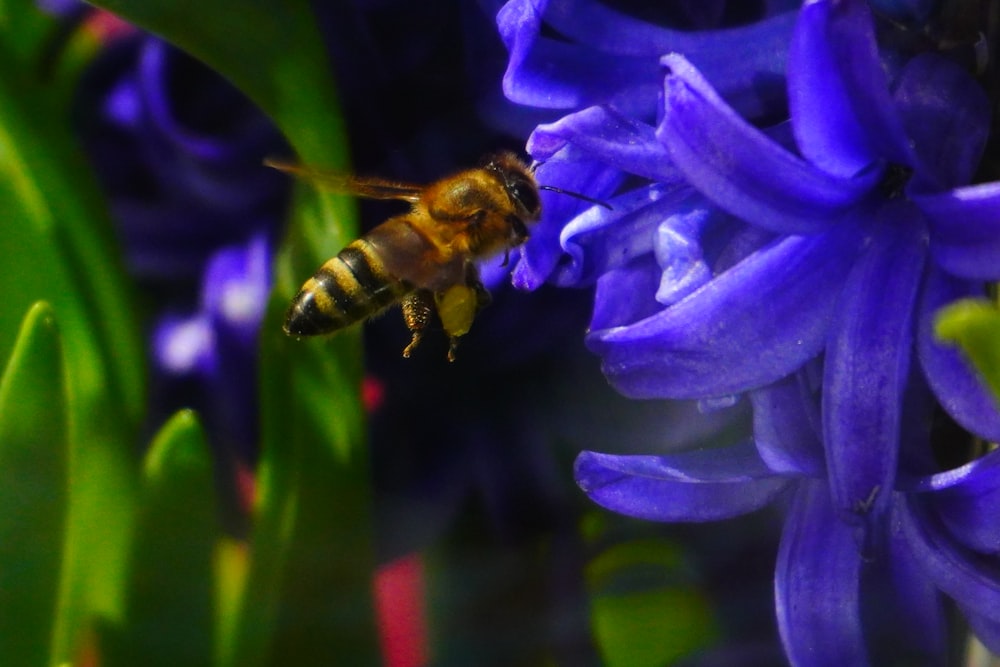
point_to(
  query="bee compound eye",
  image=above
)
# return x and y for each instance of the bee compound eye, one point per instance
(525, 193)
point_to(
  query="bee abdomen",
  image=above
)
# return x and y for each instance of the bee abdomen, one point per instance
(348, 288)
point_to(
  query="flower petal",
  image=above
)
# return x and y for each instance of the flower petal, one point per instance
(972, 580)
(843, 116)
(639, 280)
(947, 117)
(958, 387)
(965, 229)
(967, 499)
(867, 361)
(702, 485)
(603, 134)
(786, 428)
(599, 240)
(746, 64)
(742, 169)
(816, 584)
(679, 254)
(915, 612)
(550, 74)
(750, 326)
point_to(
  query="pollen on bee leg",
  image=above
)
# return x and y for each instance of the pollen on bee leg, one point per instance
(417, 309)
(457, 307)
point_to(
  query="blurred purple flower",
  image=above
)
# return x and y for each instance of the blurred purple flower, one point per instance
(179, 153)
(206, 359)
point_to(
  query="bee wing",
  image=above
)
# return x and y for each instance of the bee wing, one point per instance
(363, 186)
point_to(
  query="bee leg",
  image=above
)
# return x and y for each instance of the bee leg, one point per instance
(456, 307)
(417, 309)
(519, 231)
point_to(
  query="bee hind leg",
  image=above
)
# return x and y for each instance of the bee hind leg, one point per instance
(457, 307)
(417, 310)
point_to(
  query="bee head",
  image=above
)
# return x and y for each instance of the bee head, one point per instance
(519, 183)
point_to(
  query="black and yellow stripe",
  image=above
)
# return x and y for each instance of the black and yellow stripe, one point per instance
(349, 288)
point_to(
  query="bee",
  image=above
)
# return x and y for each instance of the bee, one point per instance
(424, 258)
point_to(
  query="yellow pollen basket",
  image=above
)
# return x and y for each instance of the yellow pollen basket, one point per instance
(456, 307)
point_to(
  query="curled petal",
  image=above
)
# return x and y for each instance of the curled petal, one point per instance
(947, 117)
(678, 252)
(786, 428)
(613, 63)
(967, 499)
(601, 133)
(972, 580)
(965, 229)
(639, 280)
(843, 116)
(957, 385)
(816, 584)
(546, 73)
(866, 364)
(742, 169)
(702, 485)
(746, 64)
(599, 240)
(749, 326)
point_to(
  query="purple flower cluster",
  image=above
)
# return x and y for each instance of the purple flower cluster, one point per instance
(797, 262)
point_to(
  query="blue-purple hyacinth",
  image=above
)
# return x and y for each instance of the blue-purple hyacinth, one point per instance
(801, 263)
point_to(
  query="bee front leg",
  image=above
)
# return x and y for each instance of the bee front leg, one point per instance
(518, 235)
(417, 309)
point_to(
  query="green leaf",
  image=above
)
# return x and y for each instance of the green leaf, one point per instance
(644, 609)
(56, 245)
(170, 617)
(25, 29)
(974, 325)
(34, 448)
(307, 593)
(307, 597)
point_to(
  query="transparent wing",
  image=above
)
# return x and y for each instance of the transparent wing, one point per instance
(371, 187)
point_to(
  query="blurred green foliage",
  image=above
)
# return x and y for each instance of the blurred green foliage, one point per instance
(102, 551)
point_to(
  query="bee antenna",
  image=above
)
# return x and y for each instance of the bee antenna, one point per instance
(552, 188)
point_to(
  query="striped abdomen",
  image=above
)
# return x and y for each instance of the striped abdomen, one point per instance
(349, 288)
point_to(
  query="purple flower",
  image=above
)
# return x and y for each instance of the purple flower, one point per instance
(808, 255)
(938, 536)
(858, 262)
(609, 57)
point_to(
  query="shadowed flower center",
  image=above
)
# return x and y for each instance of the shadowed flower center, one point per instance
(894, 181)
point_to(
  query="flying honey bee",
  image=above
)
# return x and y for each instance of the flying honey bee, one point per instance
(424, 258)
